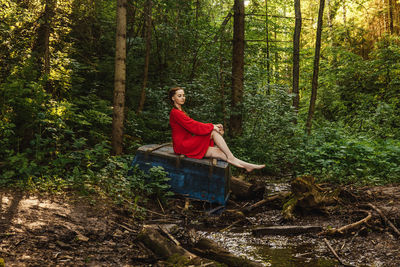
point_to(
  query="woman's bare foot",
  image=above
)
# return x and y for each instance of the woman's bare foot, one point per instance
(250, 167)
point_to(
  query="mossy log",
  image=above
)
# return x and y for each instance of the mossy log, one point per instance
(167, 249)
(211, 250)
(306, 195)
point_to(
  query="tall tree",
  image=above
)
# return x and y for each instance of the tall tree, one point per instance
(267, 43)
(119, 79)
(391, 28)
(237, 68)
(296, 54)
(147, 34)
(41, 45)
(316, 67)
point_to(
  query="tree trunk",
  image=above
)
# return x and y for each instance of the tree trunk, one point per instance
(119, 80)
(41, 46)
(391, 28)
(316, 67)
(196, 43)
(276, 68)
(48, 14)
(237, 69)
(296, 54)
(344, 13)
(222, 82)
(147, 16)
(267, 43)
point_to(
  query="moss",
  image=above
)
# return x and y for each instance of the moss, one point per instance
(178, 260)
(288, 207)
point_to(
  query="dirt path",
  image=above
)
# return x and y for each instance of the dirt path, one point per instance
(44, 231)
(60, 231)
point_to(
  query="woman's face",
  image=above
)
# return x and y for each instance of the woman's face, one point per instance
(179, 97)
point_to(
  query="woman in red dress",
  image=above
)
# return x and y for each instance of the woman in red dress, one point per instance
(195, 139)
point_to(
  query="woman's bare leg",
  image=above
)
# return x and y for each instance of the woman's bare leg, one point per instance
(228, 156)
(216, 152)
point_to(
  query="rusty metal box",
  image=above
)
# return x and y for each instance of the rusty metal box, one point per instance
(202, 179)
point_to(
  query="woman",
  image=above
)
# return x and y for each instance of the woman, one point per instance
(195, 139)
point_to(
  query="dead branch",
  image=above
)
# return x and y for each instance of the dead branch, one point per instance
(385, 219)
(334, 253)
(165, 231)
(231, 225)
(285, 229)
(125, 227)
(347, 227)
(281, 195)
(162, 208)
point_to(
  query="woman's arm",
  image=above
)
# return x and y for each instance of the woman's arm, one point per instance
(194, 127)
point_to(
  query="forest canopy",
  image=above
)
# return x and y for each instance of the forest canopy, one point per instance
(57, 81)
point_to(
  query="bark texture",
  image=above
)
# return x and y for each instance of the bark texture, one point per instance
(119, 80)
(314, 88)
(148, 21)
(237, 69)
(296, 54)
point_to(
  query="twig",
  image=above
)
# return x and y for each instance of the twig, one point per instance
(169, 235)
(230, 226)
(160, 205)
(137, 206)
(385, 219)
(334, 253)
(125, 227)
(266, 200)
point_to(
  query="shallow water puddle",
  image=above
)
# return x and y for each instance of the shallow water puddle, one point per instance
(272, 250)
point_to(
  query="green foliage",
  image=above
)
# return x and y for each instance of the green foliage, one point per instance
(362, 93)
(153, 183)
(335, 156)
(270, 135)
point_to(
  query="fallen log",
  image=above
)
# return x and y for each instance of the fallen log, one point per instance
(244, 190)
(166, 248)
(385, 219)
(211, 250)
(285, 230)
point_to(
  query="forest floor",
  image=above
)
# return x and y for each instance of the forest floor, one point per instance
(49, 230)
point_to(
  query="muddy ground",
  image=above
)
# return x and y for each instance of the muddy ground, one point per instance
(37, 230)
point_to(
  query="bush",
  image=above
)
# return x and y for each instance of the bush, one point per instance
(270, 135)
(335, 156)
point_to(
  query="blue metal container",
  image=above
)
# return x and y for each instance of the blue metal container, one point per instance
(203, 179)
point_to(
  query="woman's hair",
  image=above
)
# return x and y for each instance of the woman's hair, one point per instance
(172, 92)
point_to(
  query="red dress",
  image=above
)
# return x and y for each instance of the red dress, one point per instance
(189, 137)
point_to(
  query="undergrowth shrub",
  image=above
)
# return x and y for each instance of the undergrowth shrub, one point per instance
(335, 156)
(270, 135)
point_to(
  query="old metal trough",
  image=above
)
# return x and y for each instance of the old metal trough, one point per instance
(202, 179)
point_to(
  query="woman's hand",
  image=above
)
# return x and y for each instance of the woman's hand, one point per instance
(219, 128)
